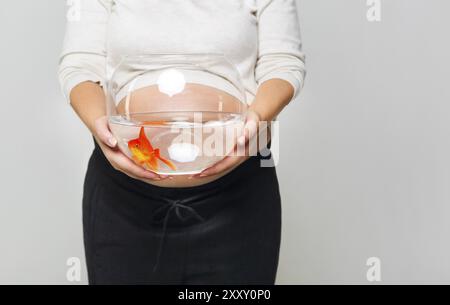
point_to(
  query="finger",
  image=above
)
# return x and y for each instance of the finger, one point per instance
(223, 165)
(130, 168)
(250, 130)
(103, 132)
(243, 138)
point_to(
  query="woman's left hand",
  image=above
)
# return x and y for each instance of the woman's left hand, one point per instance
(250, 131)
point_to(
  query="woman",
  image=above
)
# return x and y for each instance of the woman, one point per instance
(220, 227)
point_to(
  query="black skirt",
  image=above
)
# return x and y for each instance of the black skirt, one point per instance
(223, 232)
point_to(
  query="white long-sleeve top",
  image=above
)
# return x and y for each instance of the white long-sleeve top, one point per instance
(260, 37)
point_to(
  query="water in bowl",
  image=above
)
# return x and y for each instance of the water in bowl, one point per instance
(177, 143)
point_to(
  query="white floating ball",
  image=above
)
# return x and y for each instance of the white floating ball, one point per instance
(183, 152)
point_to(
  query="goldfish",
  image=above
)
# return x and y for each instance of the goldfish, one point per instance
(145, 155)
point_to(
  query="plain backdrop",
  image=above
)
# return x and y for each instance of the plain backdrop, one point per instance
(364, 168)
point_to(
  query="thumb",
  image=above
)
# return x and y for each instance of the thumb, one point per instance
(103, 132)
(250, 128)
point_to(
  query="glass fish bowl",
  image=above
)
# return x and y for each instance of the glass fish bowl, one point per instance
(176, 114)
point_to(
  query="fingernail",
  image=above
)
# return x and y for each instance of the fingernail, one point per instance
(112, 141)
(163, 176)
(241, 140)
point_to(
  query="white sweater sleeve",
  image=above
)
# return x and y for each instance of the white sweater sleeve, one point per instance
(280, 47)
(84, 49)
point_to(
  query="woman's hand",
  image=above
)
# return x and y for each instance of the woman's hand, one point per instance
(241, 147)
(118, 160)
(272, 96)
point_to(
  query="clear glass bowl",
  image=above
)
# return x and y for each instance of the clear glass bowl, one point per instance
(176, 114)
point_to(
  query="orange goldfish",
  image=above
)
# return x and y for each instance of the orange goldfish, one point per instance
(143, 153)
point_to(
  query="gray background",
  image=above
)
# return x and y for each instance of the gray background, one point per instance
(364, 167)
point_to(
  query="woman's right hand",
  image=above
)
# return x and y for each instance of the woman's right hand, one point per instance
(118, 160)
